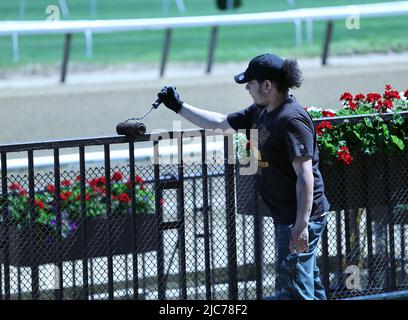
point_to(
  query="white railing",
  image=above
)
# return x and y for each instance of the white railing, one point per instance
(81, 26)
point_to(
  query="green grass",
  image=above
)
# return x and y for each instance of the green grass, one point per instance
(234, 43)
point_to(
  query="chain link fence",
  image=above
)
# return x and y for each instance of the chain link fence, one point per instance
(189, 231)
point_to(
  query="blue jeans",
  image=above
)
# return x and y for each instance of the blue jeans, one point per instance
(297, 274)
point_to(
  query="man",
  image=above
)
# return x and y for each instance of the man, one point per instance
(289, 179)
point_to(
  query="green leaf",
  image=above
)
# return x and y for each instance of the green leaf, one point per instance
(385, 131)
(398, 142)
(368, 123)
(398, 119)
(357, 134)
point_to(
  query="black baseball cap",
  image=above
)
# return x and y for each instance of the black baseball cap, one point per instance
(264, 66)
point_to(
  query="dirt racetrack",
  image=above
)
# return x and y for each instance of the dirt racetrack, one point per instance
(91, 103)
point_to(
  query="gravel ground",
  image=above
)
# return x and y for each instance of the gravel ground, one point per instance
(35, 107)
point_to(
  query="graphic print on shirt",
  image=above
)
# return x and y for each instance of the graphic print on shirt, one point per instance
(263, 135)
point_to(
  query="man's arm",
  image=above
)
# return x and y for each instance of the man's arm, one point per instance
(203, 118)
(304, 197)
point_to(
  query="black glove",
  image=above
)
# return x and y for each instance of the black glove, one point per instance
(171, 99)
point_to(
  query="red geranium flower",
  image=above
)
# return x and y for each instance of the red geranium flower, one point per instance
(347, 96)
(359, 97)
(328, 114)
(373, 97)
(39, 204)
(97, 184)
(124, 197)
(406, 93)
(15, 186)
(142, 187)
(51, 188)
(94, 182)
(68, 194)
(379, 105)
(66, 183)
(388, 87)
(392, 94)
(388, 104)
(63, 197)
(117, 176)
(87, 197)
(323, 125)
(352, 105)
(162, 202)
(139, 180)
(343, 155)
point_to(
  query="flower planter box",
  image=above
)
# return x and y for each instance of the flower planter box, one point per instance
(45, 247)
(369, 182)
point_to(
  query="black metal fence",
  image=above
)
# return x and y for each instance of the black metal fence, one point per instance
(182, 230)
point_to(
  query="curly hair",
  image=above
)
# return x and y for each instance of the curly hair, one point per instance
(289, 78)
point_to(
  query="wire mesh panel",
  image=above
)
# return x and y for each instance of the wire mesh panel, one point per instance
(196, 230)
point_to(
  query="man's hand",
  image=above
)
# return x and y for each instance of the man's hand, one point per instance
(299, 239)
(171, 99)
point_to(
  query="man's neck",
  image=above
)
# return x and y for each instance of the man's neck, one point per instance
(276, 101)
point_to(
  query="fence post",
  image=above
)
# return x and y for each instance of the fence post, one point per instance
(161, 285)
(329, 33)
(85, 286)
(231, 221)
(211, 50)
(65, 59)
(4, 203)
(35, 281)
(166, 49)
(181, 220)
(58, 290)
(258, 243)
(135, 267)
(108, 206)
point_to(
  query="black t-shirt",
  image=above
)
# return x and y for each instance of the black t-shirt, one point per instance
(283, 134)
